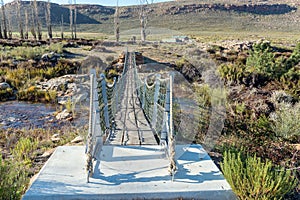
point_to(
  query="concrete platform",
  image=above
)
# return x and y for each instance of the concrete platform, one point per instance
(130, 172)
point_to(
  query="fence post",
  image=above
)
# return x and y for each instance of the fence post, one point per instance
(156, 94)
(105, 101)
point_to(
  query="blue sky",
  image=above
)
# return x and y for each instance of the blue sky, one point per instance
(101, 2)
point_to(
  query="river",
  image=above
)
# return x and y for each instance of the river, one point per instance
(16, 114)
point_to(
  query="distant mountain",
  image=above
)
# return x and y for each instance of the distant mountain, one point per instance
(182, 15)
(57, 12)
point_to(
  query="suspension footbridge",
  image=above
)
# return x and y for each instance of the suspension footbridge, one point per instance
(131, 151)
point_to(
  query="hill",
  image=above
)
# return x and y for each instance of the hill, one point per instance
(57, 11)
(187, 16)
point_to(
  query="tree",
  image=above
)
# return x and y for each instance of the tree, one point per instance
(20, 19)
(117, 22)
(33, 21)
(4, 20)
(143, 16)
(9, 26)
(75, 20)
(48, 20)
(71, 19)
(62, 27)
(26, 24)
(36, 14)
(1, 36)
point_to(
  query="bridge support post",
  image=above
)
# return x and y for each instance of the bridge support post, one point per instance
(165, 127)
(144, 93)
(156, 94)
(105, 101)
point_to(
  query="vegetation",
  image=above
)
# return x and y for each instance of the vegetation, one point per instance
(286, 121)
(20, 150)
(262, 66)
(251, 178)
(264, 132)
(14, 179)
(26, 52)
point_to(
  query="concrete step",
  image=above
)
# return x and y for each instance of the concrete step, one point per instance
(130, 172)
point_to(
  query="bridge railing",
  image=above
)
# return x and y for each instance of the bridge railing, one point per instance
(95, 133)
(104, 100)
(157, 102)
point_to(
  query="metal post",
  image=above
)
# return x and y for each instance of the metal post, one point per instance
(105, 101)
(165, 125)
(172, 167)
(144, 93)
(156, 93)
(89, 165)
(115, 96)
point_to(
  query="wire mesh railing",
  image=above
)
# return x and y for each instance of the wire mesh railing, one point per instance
(155, 100)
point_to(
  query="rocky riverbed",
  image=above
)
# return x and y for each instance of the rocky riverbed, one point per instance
(20, 114)
(15, 114)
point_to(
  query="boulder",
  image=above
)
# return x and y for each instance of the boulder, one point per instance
(55, 137)
(80, 97)
(77, 139)
(4, 86)
(63, 115)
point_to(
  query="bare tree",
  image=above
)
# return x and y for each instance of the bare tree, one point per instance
(33, 21)
(20, 19)
(26, 24)
(1, 36)
(75, 20)
(62, 27)
(48, 20)
(37, 20)
(71, 19)
(117, 22)
(9, 26)
(143, 16)
(4, 20)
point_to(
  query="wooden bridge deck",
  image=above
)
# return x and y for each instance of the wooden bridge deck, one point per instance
(132, 128)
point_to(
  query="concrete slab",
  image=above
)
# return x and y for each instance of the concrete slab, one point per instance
(130, 172)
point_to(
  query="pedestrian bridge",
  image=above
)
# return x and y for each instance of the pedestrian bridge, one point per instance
(131, 152)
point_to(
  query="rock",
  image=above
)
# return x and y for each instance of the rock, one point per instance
(50, 57)
(55, 138)
(297, 146)
(47, 153)
(12, 119)
(4, 86)
(62, 100)
(79, 98)
(77, 139)
(63, 115)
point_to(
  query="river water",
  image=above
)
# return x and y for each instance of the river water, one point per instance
(15, 114)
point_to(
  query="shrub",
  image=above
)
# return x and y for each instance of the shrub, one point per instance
(56, 47)
(261, 58)
(109, 58)
(6, 94)
(251, 178)
(24, 150)
(232, 72)
(13, 176)
(286, 121)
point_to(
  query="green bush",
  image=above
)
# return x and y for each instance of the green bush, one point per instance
(252, 179)
(13, 176)
(261, 58)
(56, 47)
(286, 121)
(6, 94)
(232, 72)
(24, 150)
